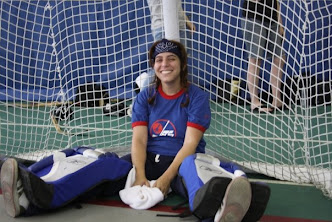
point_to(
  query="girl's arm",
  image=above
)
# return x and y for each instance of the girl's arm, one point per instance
(138, 154)
(192, 138)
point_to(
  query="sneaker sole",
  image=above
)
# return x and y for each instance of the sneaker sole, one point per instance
(236, 201)
(9, 174)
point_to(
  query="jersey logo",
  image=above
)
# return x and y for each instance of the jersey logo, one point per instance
(163, 127)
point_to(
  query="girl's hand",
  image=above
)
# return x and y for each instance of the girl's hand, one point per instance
(141, 182)
(163, 184)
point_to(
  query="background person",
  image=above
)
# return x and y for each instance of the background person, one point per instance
(263, 30)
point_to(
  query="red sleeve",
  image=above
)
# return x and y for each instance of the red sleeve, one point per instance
(139, 123)
(197, 126)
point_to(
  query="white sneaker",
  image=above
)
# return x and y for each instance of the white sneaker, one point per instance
(12, 188)
(236, 201)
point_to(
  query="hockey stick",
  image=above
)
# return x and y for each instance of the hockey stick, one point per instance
(64, 132)
(38, 104)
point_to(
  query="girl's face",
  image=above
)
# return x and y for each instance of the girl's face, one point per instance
(167, 67)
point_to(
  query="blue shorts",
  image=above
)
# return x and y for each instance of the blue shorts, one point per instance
(259, 37)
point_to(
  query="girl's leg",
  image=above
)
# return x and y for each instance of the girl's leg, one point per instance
(253, 81)
(255, 40)
(275, 48)
(275, 81)
(16, 197)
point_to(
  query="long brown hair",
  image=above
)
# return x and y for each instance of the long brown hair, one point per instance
(183, 72)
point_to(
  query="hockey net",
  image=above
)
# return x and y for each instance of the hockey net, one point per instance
(68, 71)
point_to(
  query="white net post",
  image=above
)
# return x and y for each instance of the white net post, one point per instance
(171, 19)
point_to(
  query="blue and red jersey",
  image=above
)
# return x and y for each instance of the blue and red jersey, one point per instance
(167, 121)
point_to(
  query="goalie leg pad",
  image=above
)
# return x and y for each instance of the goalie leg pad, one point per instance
(260, 198)
(206, 180)
(209, 197)
(70, 175)
(198, 169)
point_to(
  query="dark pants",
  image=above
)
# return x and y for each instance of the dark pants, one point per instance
(154, 169)
(155, 166)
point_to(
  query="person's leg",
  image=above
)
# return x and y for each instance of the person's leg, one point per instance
(212, 187)
(278, 62)
(275, 81)
(155, 165)
(55, 184)
(14, 193)
(178, 187)
(11, 187)
(127, 158)
(254, 34)
(220, 190)
(253, 81)
(157, 34)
